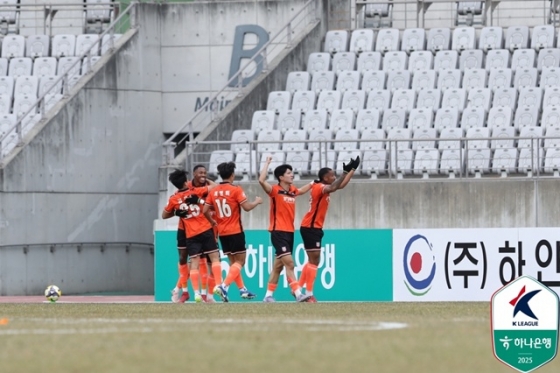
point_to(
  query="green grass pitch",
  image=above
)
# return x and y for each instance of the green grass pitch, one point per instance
(252, 337)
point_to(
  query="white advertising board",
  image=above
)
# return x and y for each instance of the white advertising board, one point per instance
(471, 264)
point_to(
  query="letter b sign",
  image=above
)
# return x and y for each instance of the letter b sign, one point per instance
(239, 53)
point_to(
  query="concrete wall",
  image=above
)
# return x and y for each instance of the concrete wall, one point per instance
(429, 204)
(90, 174)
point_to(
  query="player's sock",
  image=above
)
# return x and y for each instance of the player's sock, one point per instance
(217, 272)
(195, 277)
(183, 275)
(203, 270)
(233, 273)
(294, 286)
(311, 275)
(239, 281)
(303, 276)
(270, 289)
(211, 284)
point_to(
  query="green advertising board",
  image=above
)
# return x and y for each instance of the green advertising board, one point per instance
(356, 265)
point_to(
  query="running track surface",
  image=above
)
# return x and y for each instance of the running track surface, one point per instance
(81, 299)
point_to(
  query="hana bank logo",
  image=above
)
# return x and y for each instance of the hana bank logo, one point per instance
(419, 264)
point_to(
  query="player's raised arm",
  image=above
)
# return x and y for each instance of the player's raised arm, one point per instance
(304, 189)
(248, 206)
(344, 178)
(264, 173)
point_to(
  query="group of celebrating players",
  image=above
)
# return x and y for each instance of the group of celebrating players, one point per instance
(208, 210)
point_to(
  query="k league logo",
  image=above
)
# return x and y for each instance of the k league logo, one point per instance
(419, 265)
(521, 303)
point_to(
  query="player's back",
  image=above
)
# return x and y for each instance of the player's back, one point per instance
(226, 200)
(318, 206)
(195, 222)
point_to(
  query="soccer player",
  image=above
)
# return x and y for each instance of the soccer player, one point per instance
(195, 235)
(282, 214)
(200, 179)
(227, 200)
(311, 228)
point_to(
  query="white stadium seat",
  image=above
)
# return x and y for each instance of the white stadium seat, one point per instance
(551, 97)
(473, 117)
(549, 57)
(413, 39)
(373, 80)
(262, 120)
(336, 41)
(63, 45)
(500, 78)
(480, 98)
(379, 99)
(478, 161)
(471, 59)
(517, 37)
(387, 40)
(20, 67)
(497, 59)
(298, 81)
(451, 161)
(500, 116)
(421, 60)
(318, 62)
(369, 61)
(398, 80)
(241, 140)
(446, 118)
(523, 59)
(13, 46)
(530, 137)
(346, 139)
(70, 65)
(425, 79)
(421, 119)
(429, 98)
(299, 160)
(530, 97)
(403, 99)
(526, 116)
(491, 38)
(329, 100)
(449, 79)
(315, 120)
(439, 39)
(395, 61)
(543, 37)
(348, 81)
(503, 137)
(550, 77)
(454, 98)
(323, 81)
(362, 40)
(451, 133)
(550, 117)
(217, 157)
(342, 120)
(504, 160)
(303, 101)
(475, 79)
(426, 161)
(293, 140)
(446, 60)
(44, 66)
(367, 119)
(269, 140)
(505, 97)
(343, 61)
(87, 43)
(393, 119)
(354, 100)
(374, 162)
(424, 138)
(288, 119)
(463, 38)
(37, 46)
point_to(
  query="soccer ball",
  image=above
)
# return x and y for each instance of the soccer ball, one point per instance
(52, 292)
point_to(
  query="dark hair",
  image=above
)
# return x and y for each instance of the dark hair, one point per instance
(281, 170)
(197, 167)
(226, 169)
(178, 178)
(323, 171)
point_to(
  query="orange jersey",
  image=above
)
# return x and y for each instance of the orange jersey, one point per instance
(195, 222)
(319, 204)
(212, 212)
(282, 208)
(226, 199)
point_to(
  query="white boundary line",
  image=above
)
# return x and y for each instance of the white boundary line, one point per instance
(168, 325)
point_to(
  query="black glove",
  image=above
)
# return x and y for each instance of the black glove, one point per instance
(192, 200)
(354, 164)
(181, 213)
(348, 167)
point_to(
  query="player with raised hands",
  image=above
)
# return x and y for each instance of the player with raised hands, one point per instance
(311, 228)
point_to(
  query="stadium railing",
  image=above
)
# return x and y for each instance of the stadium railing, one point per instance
(122, 23)
(278, 42)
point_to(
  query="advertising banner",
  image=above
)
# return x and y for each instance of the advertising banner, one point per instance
(471, 264)
(355, 266)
